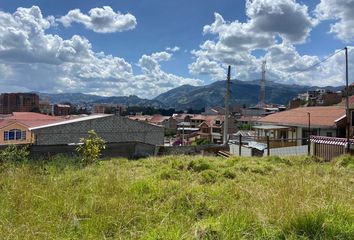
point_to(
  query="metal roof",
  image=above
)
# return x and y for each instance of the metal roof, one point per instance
(271, 127)
(72, 121)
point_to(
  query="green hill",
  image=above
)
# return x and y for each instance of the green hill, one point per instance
(178, 197)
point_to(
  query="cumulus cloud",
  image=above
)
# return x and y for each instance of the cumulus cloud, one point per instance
(100, 20)
(33, 60)
(274, 27)
(341, 11)
(153, 74)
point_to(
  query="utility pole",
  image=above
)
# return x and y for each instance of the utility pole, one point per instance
(262, 85)
(308, 135)
(227, 99)
(347, 97)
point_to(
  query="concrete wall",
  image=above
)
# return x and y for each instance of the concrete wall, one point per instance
(234, 150)
(289, 151)
(112, 129)
(131, 150)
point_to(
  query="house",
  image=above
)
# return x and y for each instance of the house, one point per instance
(169, 123)
(290, 128)
(211, 127)
(112, 128)
(61, 109)
(15, 127)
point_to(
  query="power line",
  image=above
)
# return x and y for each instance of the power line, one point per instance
(316, 64)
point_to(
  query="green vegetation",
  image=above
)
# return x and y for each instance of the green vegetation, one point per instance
(202, 141)
(178, 197)
(91, 148)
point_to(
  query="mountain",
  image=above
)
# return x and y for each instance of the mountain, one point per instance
(81, 98)
(242, 92)
(196, 97)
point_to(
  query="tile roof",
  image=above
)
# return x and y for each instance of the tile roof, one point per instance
(319, 116)
(28, 119)
(158, 118)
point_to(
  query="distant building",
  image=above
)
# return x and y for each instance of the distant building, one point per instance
(214, 111)
(45, 107)
(61, 110)
(318, 97)
(108, 109)
(18, 102)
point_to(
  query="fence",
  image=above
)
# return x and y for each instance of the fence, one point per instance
(255, 146)
(328, 148)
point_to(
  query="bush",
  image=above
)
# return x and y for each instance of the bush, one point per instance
(12, 154)
(90, 148)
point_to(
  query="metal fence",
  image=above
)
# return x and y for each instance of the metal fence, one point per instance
(325, 148)
(266, 146)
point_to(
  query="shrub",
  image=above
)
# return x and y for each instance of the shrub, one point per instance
(90, 148)
(13, 154)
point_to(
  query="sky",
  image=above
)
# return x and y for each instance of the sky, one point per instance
(144, 48)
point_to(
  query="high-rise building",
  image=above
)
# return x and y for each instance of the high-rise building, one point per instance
(18, 102)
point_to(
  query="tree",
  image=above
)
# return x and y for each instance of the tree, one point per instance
(90, 148)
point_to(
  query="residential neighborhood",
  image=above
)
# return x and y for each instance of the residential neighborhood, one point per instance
(177, 120)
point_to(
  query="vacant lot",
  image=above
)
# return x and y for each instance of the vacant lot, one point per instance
(178, 197)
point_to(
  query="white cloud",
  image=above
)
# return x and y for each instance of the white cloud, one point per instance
(273, 27)
(33, 60)
(153, 74)
(172, 49)
(342, 11)
(287, 18)
(100, 20)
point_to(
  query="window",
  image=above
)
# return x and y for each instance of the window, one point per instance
(217, 130)
(329, 134)
(6, 136)
(14, 134)
(23, 137)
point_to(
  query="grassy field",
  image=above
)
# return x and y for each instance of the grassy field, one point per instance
(178, 197)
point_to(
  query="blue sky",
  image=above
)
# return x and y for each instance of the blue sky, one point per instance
(147, 47)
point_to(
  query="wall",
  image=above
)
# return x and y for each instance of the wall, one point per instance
(131, 150)
(15, 126)
(112, 129)
(234, 150)
(190, 150)
(289, 151)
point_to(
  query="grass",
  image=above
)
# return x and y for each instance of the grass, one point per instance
(178, 197)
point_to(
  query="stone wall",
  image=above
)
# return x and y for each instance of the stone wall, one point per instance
(112, 129)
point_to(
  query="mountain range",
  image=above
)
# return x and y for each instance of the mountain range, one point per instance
(197, 97)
